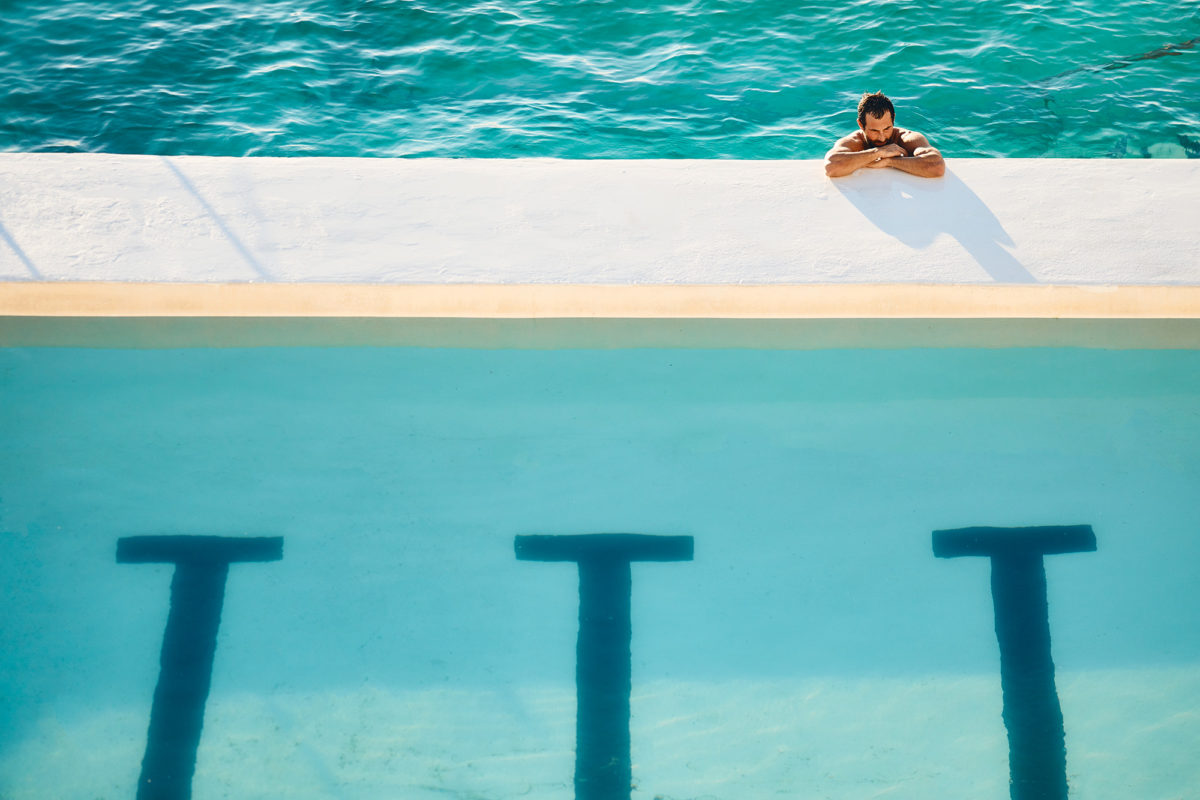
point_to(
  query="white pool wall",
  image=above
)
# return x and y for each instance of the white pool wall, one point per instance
(543, 221)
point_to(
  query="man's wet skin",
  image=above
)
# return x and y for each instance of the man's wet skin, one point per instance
(879, 144)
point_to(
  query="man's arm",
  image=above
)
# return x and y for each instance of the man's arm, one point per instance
(848, 155)
(925, 161)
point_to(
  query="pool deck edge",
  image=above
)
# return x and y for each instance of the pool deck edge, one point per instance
(554, 301)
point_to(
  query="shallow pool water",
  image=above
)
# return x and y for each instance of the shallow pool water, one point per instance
(400, 648)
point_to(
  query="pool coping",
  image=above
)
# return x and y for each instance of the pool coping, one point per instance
(67, 218)
(552, 301)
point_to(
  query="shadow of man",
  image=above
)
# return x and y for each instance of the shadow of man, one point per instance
(916, 211)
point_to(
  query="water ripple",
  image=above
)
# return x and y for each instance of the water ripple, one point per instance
(603, 79)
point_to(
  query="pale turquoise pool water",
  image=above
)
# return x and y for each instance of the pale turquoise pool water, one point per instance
(505, 78)
(400, 649)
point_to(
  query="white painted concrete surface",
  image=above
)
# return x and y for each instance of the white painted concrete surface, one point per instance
(431, 221)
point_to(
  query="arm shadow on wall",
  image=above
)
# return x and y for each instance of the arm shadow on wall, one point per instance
(916, 211)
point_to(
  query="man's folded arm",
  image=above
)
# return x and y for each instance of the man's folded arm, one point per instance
(926, 160)
(841, 160)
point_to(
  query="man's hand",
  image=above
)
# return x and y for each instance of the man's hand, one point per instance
(885, 154)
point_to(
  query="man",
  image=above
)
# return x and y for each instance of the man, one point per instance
(878, 144)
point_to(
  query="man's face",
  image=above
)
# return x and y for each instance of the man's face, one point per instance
(878, 130)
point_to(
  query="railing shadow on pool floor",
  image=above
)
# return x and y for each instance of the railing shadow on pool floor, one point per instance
(915, 211)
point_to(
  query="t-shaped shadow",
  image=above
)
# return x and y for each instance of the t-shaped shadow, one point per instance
(916, 211)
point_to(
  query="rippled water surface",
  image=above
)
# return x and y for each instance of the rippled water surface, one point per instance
(596, 79)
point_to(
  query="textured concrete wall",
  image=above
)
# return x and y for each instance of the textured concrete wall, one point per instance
(1006, 226)
(145, 218)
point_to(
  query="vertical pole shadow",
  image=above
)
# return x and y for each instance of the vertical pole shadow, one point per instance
(233, 238)
(34, 272)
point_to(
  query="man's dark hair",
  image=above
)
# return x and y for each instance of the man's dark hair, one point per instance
(876, 105)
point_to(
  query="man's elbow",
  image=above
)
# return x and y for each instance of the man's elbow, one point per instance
(935, 165)
(833, 170)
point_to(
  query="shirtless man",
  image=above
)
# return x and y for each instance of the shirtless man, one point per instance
(878, 144)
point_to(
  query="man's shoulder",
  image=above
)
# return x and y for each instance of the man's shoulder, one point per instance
(852, 141)
(912, 141)
(905, 136)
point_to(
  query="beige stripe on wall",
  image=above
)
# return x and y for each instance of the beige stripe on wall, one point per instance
(549, 301)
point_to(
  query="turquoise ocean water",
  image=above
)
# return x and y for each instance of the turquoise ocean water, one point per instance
(560, 78)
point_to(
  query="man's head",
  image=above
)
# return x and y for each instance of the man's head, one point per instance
(876, 114)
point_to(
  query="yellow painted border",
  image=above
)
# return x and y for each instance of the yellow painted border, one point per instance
(158, 315)
(549, 301)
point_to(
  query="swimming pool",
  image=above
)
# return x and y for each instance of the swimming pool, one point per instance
(399, 646)
(520, 78)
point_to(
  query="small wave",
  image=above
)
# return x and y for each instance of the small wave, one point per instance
(701, 78)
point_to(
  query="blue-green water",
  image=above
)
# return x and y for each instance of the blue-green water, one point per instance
(399, 649)
(561, 78)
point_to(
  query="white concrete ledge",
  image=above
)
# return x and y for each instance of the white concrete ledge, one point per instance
(91, 234)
